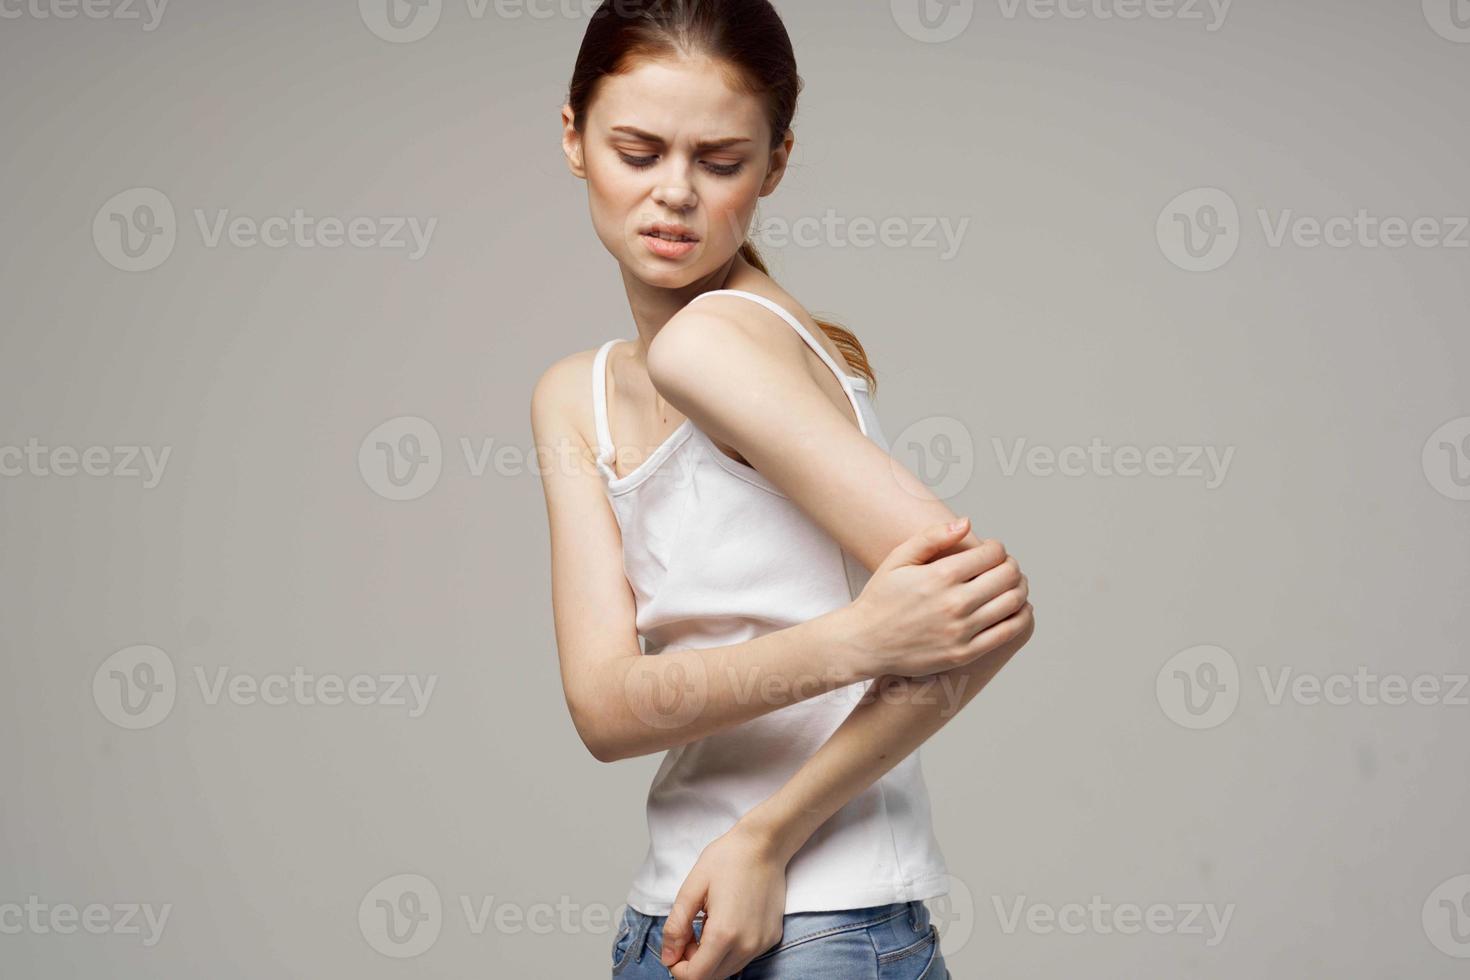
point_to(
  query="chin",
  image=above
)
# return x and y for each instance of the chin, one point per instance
(665, 278)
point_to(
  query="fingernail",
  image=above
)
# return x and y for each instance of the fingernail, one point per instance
(956, 525)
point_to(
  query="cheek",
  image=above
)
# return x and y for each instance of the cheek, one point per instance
(730, 210)
(612, 187)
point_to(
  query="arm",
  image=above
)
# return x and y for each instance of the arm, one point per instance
(879, 732)
(612, 690)
(762, 401)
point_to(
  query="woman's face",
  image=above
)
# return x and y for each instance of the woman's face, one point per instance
(675, 160)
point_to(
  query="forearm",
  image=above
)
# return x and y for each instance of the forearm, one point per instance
(649, 703)
(895, 716)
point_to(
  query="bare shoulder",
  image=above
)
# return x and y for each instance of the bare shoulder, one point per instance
(714, 322)
(561, 401)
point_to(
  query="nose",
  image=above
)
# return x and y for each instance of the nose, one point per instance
(675, 194)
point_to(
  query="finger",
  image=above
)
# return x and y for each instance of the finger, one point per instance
(680, 970)
(923, 546)
(679, 926)
(989, 585)
(1002, 607)
(707, 955)
(734, 960)
(965, 565)
(997, 636)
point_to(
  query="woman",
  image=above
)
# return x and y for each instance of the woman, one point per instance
(767, 548)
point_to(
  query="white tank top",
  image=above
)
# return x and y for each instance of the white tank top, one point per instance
(715, 555)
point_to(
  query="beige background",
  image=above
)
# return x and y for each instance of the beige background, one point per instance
(1332, 831)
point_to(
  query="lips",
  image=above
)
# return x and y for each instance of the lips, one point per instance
(670, 232)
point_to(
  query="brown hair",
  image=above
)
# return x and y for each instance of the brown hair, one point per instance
(747, 35)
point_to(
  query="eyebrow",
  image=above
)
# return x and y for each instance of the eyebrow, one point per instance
(718, 144)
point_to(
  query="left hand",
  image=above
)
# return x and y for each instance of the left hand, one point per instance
(741, 885)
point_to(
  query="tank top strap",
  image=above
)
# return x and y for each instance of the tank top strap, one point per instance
(599, 401)
(848, 381)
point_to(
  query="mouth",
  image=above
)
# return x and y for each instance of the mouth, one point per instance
(670, 233)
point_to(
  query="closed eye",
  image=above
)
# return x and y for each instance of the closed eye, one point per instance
(718, 169)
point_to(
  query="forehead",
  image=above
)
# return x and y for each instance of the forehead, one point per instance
(683, 100)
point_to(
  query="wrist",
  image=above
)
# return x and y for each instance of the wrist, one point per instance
(846, 635)
(772, 837)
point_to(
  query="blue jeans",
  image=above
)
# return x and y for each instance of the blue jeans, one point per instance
(881, 942)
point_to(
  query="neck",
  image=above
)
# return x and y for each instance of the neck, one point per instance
(654, 306)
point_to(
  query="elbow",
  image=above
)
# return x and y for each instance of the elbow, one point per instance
(594, 735)
(599, 752)
(602, 751)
